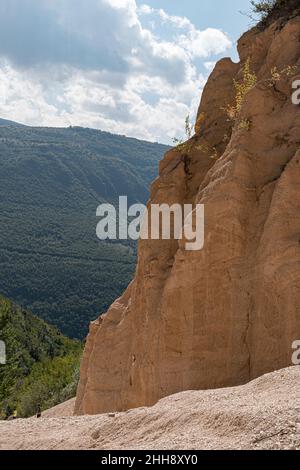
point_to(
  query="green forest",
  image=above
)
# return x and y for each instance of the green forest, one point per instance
(51, 182)
(42, 366)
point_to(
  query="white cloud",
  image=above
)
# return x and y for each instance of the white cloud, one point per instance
(111, 71)
(205, 43)
(145, 9)
(196, 43)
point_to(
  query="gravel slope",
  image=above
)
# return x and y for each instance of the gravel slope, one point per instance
(264, 414)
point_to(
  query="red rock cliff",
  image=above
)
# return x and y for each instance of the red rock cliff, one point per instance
(229, 313)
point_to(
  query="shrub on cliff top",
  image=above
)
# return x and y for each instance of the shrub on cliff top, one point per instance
(271, 10)
(264, 8)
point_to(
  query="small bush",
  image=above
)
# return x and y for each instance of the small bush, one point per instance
(188, 129)
(263, 8)
(208, 150)
(245, 124)
(272, 10)
(241, 90)
(277, 75)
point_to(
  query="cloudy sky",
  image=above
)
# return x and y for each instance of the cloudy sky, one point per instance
(126, 66)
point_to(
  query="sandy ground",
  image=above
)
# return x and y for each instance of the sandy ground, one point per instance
(264, 414)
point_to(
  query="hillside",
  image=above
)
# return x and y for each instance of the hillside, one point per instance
(263, 414)
(42, 365)
(51, 182)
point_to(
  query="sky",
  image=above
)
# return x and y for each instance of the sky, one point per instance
(131, 67)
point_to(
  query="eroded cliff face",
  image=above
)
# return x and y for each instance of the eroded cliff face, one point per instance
(229, 313)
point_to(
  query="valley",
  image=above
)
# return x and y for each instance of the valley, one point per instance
(51, 183)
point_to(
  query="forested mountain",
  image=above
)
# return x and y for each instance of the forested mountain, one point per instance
(51, 182)
(6, 122)
(41, 367)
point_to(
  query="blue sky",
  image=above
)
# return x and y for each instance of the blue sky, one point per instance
(222, 14)
(126, 66)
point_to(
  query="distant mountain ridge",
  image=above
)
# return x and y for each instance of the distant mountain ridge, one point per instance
(6, 122)
(51, 182)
